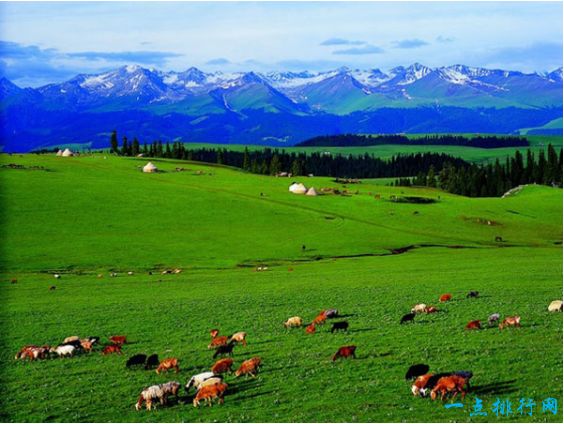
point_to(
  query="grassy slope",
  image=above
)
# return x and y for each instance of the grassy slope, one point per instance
(90, 215)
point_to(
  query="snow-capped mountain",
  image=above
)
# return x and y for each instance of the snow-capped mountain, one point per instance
(222, 102)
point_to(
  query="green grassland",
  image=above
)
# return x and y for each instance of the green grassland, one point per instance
(95, 214)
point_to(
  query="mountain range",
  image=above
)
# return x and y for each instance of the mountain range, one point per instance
(276, 108)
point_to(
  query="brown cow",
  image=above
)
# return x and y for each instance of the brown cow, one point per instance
(249, 367)
(222, 366)
(310, 329)
(514, 321)
(345, 352)
(208, 393)
(445, 297)
(474, 325)
(320, 319)
(168, 364)
(218, 341)
(112, 349)
(418, 387)
(451, 384)
(24, 349)
(86, 345)
(119, 340)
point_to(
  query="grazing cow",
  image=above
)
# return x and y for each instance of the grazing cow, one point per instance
(149, 395)
(341, 325)
(239, 337)
(310, 329)
(510, 322)
(224, 350)
(344, 352)
(420, 385)
(320, 319)
(76, 343)
(331, 313)
(211, 381)
(63, 350)
(210, 393)
(33, 352)
(293, 322)
(493, 318)
(218, 341)
(86, 345)
(138, 359)
(445, 297)
(419, 308)
(416, 370)
(473, 293)
(71, 339)
(431, 310)
(197, 380)
(555, 306)
(119, 340)
(451, 384)
(467, 375)
(152, 361)
(169, 389)
(222, 366)
(112, 349)
(214, 333)
(168, 364)
(408, 318)
(249, 367)
(24, 349)
(474, 325)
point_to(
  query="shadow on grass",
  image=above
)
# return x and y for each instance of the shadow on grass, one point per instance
(500, 388)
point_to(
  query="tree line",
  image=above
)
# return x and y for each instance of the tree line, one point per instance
(482, 141)
(493, 179)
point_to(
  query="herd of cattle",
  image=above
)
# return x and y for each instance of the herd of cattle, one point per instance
(210, 386)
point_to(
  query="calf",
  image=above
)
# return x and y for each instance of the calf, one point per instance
(445, 297)
(474, 325)
(344, 352)
(152, 362)
(239, 337)
(451, 384)
(112, 349)
(119, 340)
(493, 318)
(408, 318)
(331, 313)
(148, 395)
(224, 350)
(249, 367)
(138, 359)
(310, 329)
(222, 366)
(341, 325)
(168, 364)
(218, 341)
(510, 322)
(210, 393)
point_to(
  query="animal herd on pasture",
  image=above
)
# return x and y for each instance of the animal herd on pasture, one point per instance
(210, 386)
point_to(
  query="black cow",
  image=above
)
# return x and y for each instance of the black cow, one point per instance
(152, 362)
(341, 325)
(138, 359)
(408, 318)
(224, 350)
(473, 293)
(416, 370)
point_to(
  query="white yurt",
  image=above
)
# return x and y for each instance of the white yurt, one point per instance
(298, 188)
(67, 153)
(311, 192)
(60, 153)
(150, 168)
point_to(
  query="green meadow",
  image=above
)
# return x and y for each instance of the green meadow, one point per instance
(90, 215)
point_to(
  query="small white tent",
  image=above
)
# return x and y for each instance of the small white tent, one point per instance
(60, 153)
(311, 192)
(297, 188)
(67, 153)
(150, 168)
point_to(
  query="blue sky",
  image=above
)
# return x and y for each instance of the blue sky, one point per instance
(49, 42)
